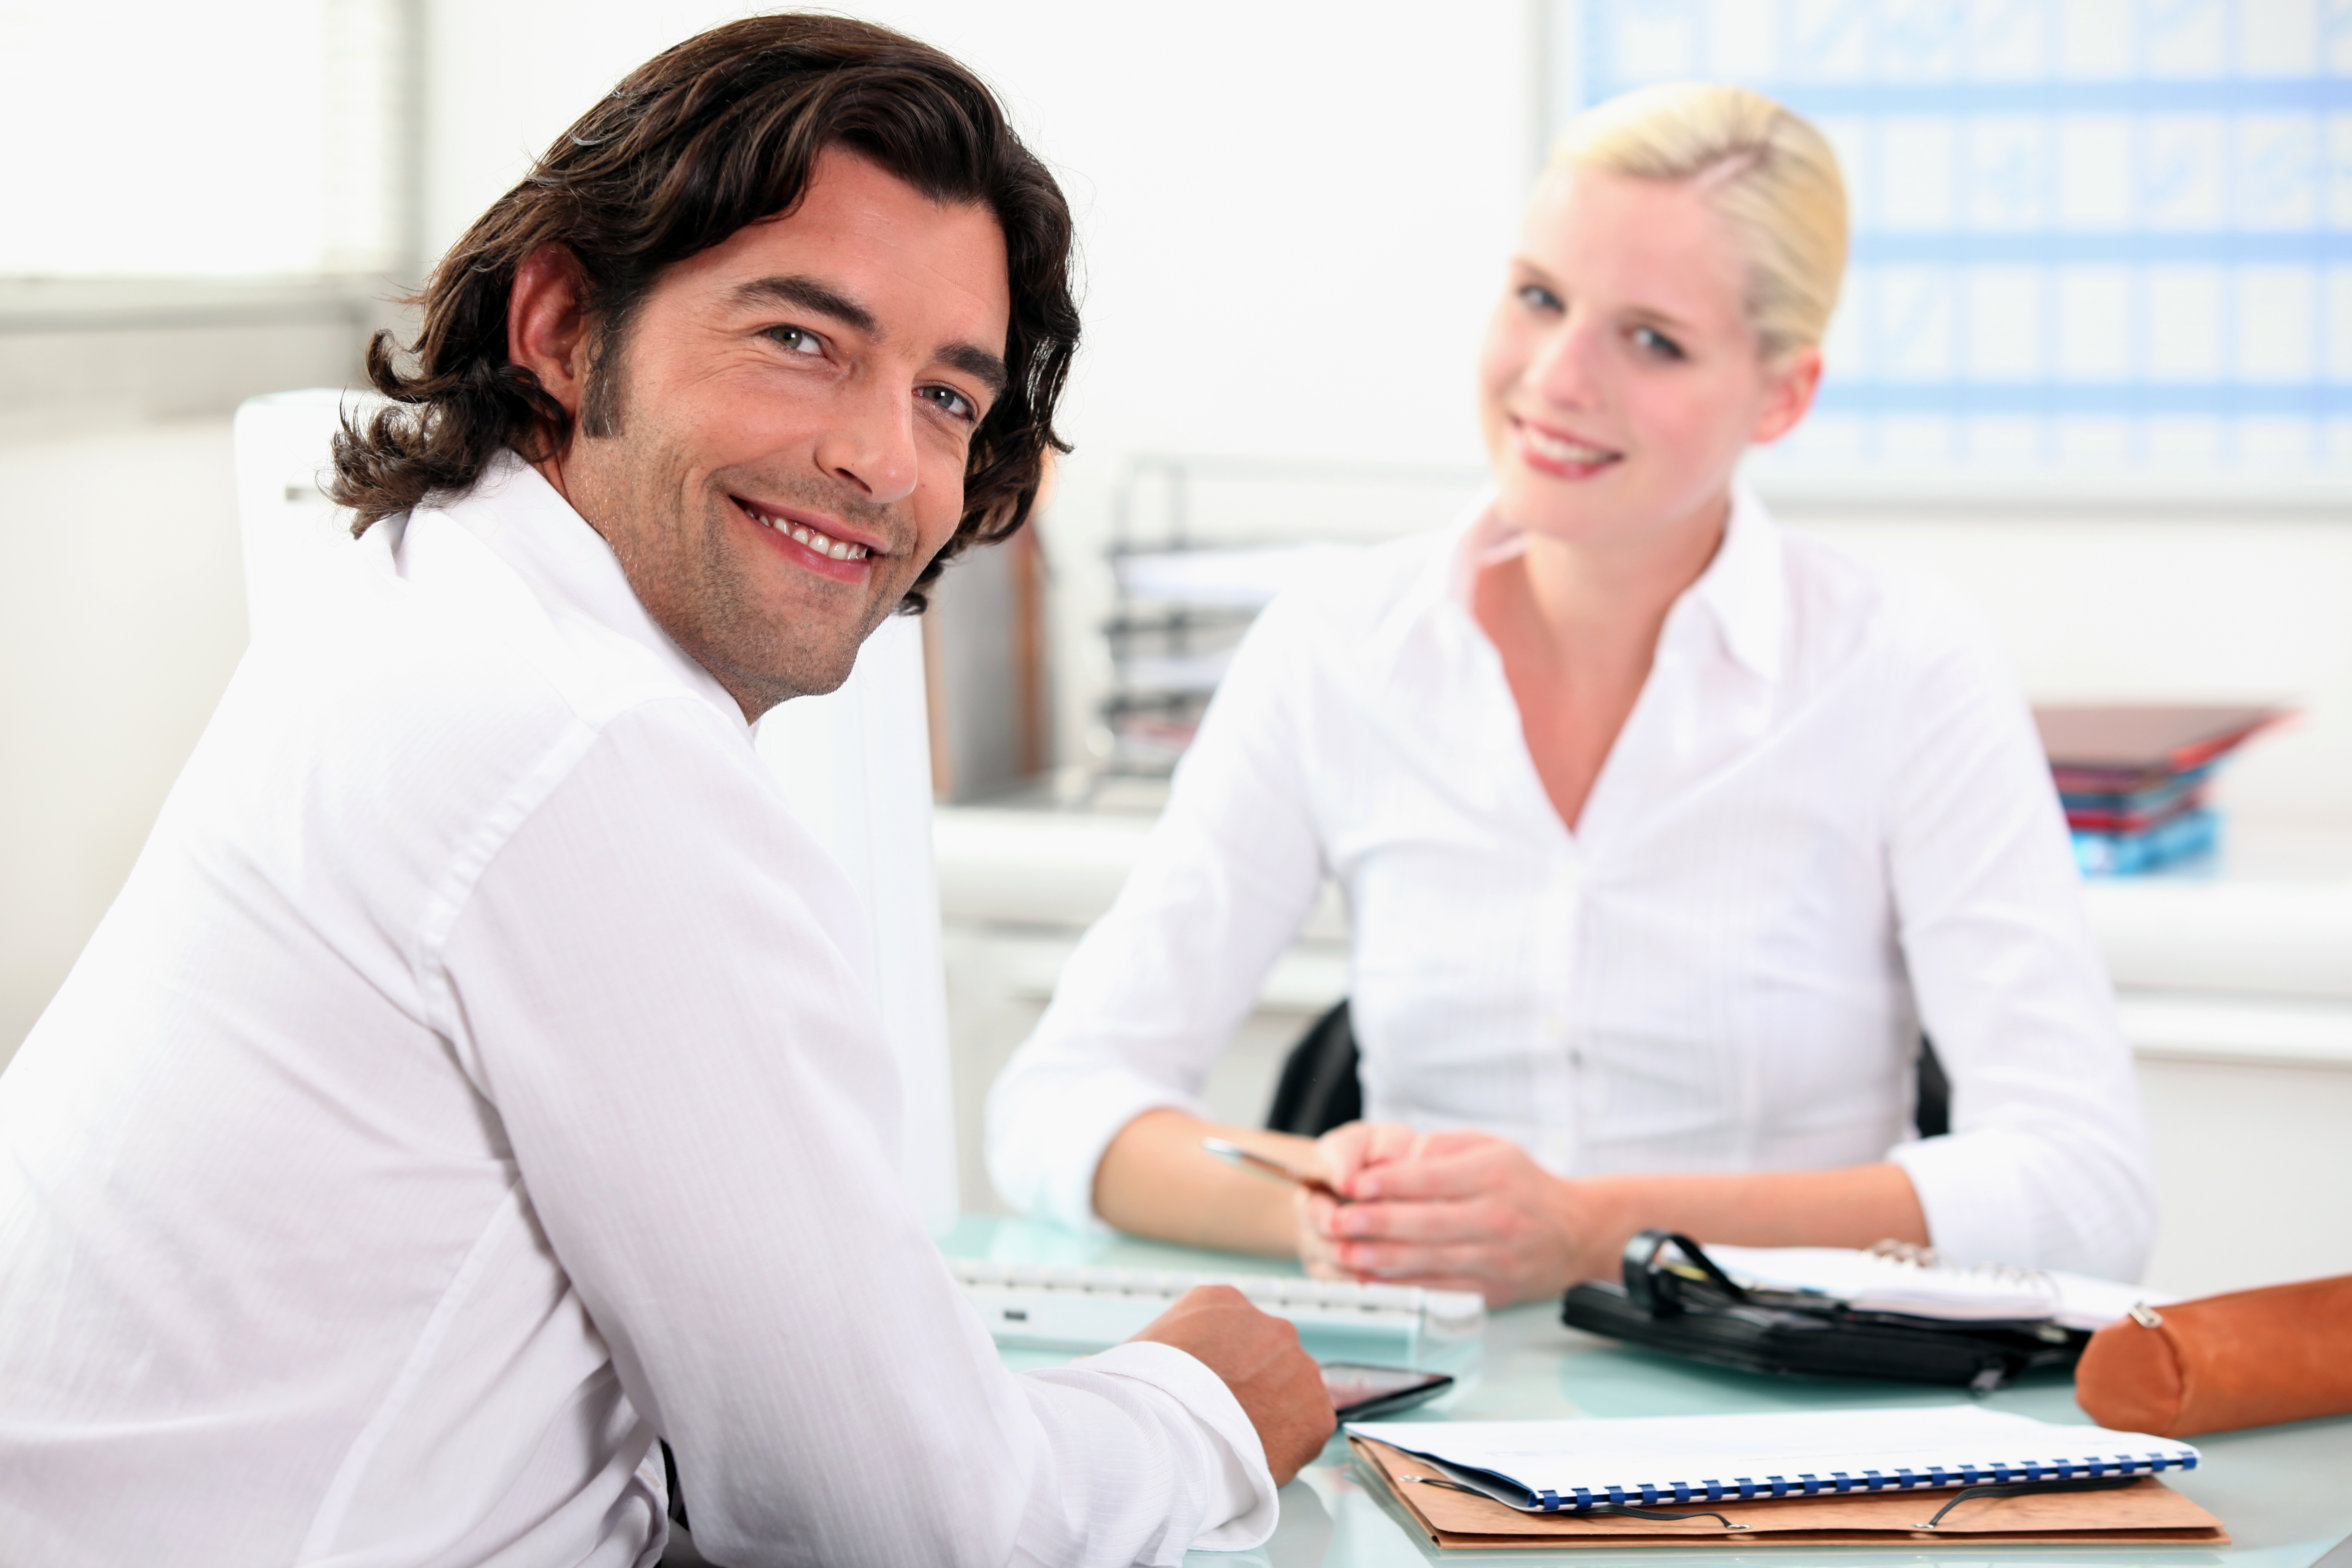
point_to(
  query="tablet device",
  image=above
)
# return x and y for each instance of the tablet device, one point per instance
(1360, 1391)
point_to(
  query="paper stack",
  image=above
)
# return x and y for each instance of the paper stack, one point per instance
(2133, 778)
(1877, 1281)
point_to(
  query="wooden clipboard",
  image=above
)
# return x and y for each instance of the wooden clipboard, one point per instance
(2147, 1512)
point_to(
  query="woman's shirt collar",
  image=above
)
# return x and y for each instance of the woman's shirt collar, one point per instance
(1742, 593)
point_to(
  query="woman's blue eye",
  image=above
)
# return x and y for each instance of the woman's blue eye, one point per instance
(797, 340)
(948, 400)
(1653, 341)
(1536, 296)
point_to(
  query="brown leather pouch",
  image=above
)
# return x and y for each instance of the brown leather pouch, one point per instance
(2250, 1359)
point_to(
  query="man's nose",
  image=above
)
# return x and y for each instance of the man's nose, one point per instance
(870, 443)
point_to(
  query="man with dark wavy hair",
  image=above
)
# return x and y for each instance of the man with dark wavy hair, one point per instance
(477, 1079)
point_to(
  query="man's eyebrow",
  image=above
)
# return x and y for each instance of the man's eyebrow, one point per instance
(978, 362)
(809, 295)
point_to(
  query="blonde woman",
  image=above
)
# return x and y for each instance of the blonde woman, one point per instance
(1663, 833)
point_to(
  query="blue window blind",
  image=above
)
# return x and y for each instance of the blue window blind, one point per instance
(2089, 236)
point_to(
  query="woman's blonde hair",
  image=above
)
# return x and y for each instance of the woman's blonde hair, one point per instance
(1763, 167)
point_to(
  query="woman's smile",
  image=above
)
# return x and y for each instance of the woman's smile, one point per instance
(1559, 453)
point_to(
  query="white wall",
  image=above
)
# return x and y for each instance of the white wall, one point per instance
(2139, 602)
(121, 614)
(1292, 217)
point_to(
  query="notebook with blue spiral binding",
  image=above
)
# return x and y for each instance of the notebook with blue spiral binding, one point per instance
(1569, 1467)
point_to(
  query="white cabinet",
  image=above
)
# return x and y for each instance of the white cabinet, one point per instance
(2236, 994)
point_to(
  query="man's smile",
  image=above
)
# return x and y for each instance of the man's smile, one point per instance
(831, 548)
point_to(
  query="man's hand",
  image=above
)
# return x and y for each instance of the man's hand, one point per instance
(1278, 1384)
(1456, 1210)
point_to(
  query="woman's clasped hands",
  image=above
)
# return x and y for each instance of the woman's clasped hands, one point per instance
(1455, 1210)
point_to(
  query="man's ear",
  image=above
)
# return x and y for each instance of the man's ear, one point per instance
(1792, 383)
(547, 328)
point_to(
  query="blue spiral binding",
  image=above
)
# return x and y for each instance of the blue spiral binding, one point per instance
(1748, 1489)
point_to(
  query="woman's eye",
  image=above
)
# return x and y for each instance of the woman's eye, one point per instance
(1536, 296)
(949, 401)
(797, 340)
(1652, 342)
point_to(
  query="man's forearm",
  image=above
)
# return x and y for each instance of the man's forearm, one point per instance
(1155, 1180)
(1852, 1207)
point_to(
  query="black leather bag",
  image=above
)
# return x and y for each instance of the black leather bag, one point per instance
(1674, 1299)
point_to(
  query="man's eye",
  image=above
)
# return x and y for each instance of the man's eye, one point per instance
(797, 340)
(1536, 296)
(1657, 344)
(949, 401)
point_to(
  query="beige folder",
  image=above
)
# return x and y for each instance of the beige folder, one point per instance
(2147, 1511)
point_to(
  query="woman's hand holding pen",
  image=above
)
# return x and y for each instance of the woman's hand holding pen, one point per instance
(1469, 1211)
(1455, 1210)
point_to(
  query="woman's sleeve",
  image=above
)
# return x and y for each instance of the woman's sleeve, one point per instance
(1158, 985)
(2046, 1164)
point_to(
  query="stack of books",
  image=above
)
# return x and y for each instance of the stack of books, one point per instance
(2134, 779)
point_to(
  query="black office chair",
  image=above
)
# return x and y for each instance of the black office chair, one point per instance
(1319, 1090)
(681, 1551)
(1932, 1112)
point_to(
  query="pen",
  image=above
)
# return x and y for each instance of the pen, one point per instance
(1242, 1159)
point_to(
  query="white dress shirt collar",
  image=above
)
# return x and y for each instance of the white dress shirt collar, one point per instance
(528, 524)
(1743, 590)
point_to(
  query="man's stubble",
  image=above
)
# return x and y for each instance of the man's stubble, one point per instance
(684, 554)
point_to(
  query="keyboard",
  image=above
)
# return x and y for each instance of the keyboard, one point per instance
(1088, 1306)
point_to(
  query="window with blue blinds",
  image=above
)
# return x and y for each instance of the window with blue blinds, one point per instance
(2089, 236)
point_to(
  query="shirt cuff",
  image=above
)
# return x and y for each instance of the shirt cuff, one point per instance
(1241, 1505)
(1061, 1150)
(1971, 1191)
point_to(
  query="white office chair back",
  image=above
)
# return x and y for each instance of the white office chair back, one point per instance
(856, 764)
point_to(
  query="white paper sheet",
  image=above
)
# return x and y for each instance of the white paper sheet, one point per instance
(1878, 1284)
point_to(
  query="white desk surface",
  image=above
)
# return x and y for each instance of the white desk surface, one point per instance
(2284, 1492)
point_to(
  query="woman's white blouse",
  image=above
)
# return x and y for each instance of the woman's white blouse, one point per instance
(1827, 825)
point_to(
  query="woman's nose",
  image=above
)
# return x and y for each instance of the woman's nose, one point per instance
(1565, 371)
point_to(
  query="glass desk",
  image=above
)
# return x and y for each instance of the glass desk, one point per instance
(2284, 1492)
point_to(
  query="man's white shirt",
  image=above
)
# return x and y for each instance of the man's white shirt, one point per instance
(476, 1079)
(1827, 822)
